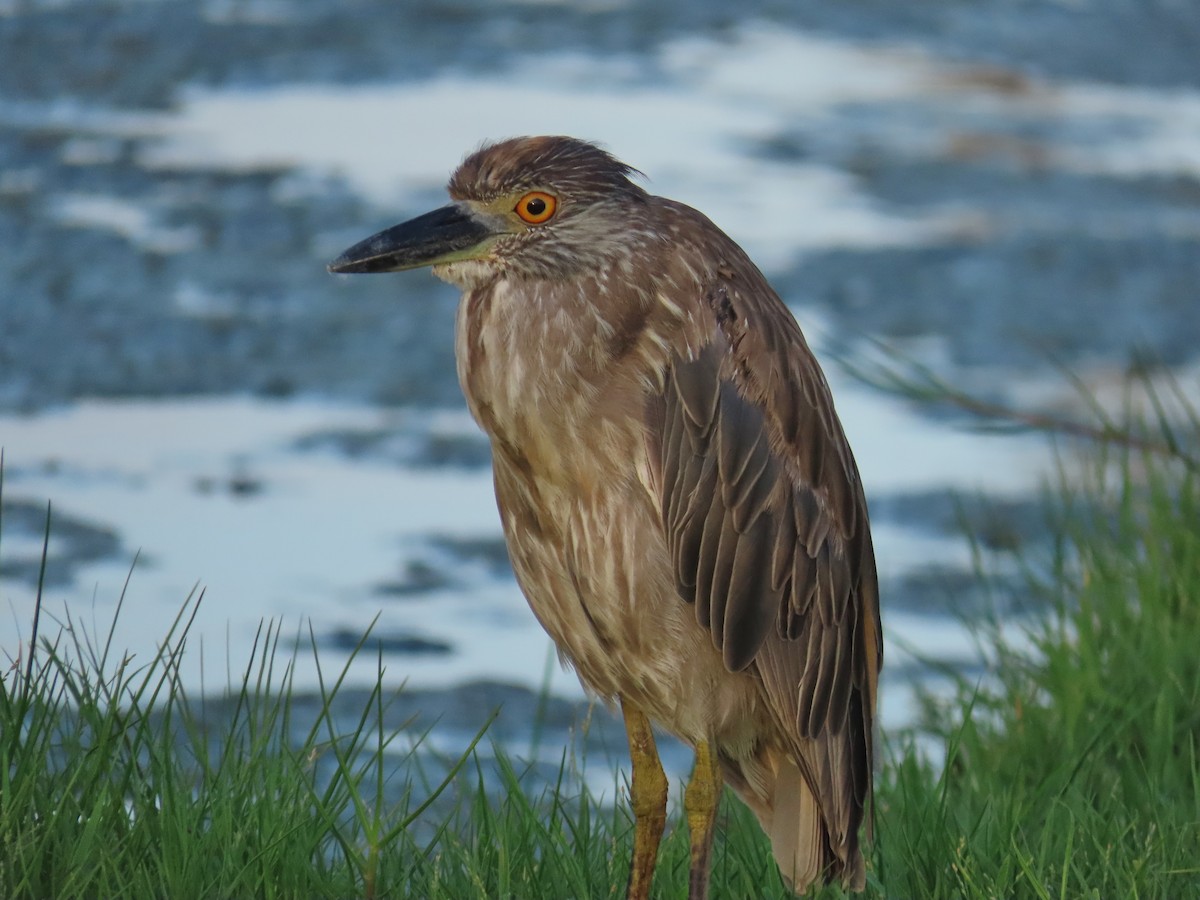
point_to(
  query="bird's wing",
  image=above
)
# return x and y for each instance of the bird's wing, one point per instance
(767, 528)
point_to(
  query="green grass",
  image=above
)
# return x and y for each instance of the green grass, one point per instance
(1079, 774)
(1074, 773)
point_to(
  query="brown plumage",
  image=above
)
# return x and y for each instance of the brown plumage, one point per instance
(681, 506)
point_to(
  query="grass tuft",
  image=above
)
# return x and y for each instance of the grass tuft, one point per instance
(1074, 772)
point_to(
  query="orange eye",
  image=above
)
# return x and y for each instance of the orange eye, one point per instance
(536, 207)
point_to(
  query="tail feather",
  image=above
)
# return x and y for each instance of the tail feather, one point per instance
(782, 798)
(795, 829)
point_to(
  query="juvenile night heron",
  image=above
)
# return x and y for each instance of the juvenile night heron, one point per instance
(681, 506)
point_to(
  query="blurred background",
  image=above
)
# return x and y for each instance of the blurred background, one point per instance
(1000, 192)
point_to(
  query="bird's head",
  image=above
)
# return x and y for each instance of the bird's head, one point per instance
(537, 207)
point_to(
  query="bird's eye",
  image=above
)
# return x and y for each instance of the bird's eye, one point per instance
(536, 207)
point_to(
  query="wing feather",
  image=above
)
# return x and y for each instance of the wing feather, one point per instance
(710, 541)
(721, 586)
(747, 619)
(767, 528)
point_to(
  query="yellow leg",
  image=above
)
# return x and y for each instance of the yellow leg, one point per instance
(700, 801)
(648, 796)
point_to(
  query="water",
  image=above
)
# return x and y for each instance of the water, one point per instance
(184, 382)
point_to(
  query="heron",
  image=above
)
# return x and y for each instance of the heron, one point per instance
(679, 500)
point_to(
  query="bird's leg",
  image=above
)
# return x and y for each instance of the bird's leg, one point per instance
(648, 796)
(700, 801)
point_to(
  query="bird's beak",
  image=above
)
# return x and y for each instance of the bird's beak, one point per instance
(445, 235)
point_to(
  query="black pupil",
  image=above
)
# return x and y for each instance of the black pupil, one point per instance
(536, 206)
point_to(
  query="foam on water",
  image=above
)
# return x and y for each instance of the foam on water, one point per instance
(689, 124)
